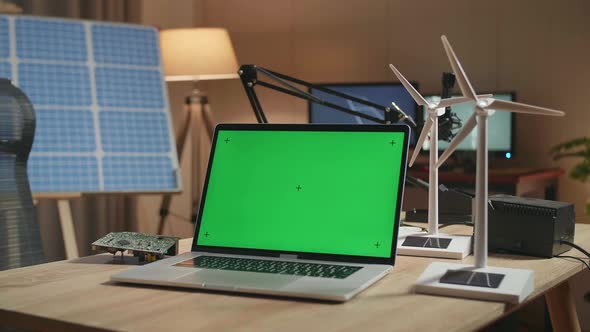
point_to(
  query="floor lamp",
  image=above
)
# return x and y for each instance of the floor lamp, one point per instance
(193, 55)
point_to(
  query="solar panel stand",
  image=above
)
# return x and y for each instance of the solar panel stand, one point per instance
(67, 228)
(189, 131)
(66, 222)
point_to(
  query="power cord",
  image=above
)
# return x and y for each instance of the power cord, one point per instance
(577, 247)
(576, 258)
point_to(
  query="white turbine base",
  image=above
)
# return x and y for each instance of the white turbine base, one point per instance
(405, 231)
(459, 247)
(516, 286)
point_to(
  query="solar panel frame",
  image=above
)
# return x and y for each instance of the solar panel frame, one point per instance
(101, 87)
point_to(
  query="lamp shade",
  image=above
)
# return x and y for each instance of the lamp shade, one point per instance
(198, 54)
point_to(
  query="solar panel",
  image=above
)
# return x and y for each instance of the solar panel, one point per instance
(103, 121)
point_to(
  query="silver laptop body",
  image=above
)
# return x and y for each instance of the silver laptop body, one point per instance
(276, 218)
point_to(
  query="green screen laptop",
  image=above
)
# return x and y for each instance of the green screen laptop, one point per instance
(295, 210)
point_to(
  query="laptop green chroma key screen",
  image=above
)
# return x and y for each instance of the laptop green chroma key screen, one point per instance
(303, 191)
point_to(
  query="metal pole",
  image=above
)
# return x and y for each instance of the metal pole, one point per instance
(481, 192)
(433, 180)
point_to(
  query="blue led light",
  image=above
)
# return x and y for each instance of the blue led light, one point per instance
(508, 155)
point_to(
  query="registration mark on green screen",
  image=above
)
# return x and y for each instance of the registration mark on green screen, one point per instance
(303, 191)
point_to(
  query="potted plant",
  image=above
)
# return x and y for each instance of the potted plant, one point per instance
(576, 148)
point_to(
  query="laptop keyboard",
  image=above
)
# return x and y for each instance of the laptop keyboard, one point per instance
(271, 266)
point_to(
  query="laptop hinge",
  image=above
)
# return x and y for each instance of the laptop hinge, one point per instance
(288, 256)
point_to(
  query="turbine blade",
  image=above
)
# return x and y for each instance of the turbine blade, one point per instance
(464, 84)
(510, 106)
(417, 96)
(489, 95)
(467, 128)
(420, 142)
(452, 101)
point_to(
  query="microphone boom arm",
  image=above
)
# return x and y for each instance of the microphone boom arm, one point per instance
(249, 75)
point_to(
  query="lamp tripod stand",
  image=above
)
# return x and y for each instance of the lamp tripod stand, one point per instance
(197, 110)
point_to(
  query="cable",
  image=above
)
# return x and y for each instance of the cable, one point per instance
(576, 258)
(573, 245)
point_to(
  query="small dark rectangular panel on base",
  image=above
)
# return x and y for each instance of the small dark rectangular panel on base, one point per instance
(471, 278)
(427, 242)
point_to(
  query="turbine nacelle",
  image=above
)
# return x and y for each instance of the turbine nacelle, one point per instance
(432, 106)
(483, 103)
(434, 111)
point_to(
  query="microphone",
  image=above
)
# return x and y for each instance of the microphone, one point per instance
(448, 121)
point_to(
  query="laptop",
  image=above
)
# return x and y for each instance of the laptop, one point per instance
(308, 211)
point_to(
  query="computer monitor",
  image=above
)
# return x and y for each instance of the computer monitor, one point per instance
(500, 128)
(378, 93)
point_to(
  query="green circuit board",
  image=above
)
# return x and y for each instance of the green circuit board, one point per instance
(138, 244)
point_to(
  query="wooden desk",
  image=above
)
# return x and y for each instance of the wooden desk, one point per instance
(78, 295)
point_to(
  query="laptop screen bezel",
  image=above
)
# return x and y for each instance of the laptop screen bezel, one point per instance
(307, 255)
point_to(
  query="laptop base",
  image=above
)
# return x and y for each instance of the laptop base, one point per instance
(165, 273)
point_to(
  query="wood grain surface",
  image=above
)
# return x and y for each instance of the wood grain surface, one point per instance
(77, 294)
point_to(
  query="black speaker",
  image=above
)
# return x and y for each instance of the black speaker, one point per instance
(529, 226)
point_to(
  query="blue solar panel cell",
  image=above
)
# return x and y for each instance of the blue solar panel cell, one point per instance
(125, 45)
(134, 132)
(140, 173)
(103, 123)
(64, 131)
(50, 84)
(129, 88)
(63, 173)
(50, 40)
(4, 38)
(5, 70)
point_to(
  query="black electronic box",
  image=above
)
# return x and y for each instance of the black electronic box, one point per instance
(529, 226)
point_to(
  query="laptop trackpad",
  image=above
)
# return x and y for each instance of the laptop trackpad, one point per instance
(237, 279)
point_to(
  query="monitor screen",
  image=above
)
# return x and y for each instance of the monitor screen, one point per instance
(499, 127)
(305, 191)
(379, 93)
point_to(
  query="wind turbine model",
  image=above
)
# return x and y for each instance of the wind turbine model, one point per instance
(479, 281)
(431, 244)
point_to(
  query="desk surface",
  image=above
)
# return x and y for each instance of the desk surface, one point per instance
(77, 294)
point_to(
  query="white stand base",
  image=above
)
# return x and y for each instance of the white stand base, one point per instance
(459, 247)
(516, 286)
(405, 231)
